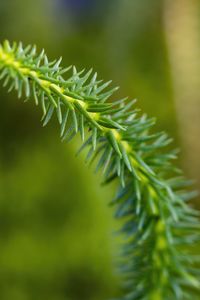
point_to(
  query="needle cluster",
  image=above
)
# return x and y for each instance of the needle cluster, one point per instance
(152, 197)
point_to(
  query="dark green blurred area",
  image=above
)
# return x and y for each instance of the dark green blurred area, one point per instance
(56, 237)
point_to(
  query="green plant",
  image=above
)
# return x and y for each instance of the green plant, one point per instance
(158, 260)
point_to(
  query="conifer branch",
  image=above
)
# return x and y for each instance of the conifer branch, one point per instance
(160, 227)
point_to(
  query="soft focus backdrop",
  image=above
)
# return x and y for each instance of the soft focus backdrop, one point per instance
(56, 232)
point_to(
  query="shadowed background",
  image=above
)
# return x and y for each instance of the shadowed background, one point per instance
(56, 238)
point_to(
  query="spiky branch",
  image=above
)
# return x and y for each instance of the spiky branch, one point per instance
(158, 262)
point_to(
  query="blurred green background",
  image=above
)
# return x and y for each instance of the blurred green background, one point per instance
(56, 238)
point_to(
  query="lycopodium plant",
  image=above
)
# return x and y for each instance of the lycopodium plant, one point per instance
(159, 262)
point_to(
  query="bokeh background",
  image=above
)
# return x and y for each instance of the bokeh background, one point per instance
(56, 232)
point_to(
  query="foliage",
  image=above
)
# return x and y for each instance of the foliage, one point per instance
(159, 225)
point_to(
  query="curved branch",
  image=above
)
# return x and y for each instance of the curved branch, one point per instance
(158, 223)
